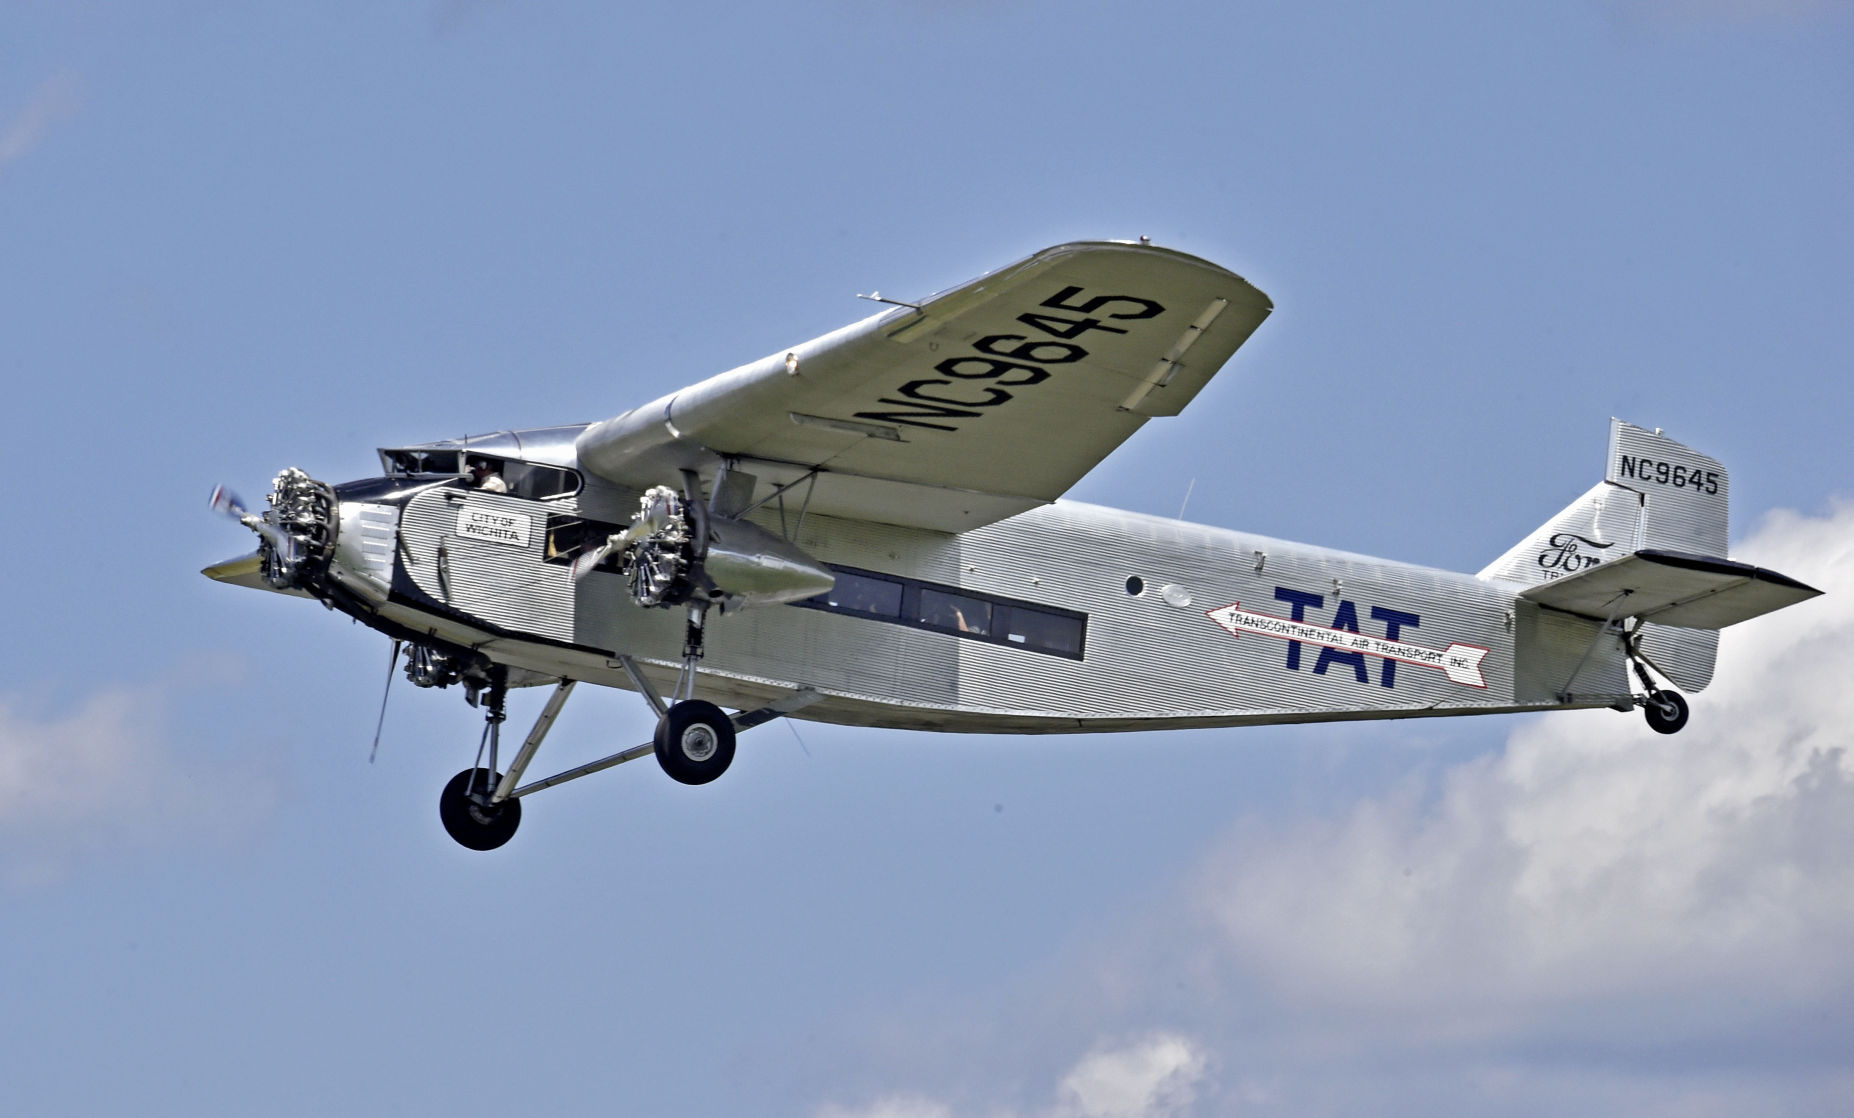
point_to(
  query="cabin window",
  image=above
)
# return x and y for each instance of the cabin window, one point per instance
(954, 611)
(860, 593)
(566, 535)
(1041, 628)
(941, 610)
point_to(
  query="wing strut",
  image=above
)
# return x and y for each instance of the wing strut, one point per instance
(786, 704)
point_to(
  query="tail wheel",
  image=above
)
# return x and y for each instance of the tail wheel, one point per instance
(470, 818)
(695, 742)
(1666, 712)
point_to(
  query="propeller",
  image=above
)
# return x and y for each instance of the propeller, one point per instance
(592, 557)
(226, 504)
(586, 560)
(385, 693)
(661, 506)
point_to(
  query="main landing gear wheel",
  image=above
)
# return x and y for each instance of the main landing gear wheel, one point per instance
(1666, 712)
(468, 816)
(694, 742)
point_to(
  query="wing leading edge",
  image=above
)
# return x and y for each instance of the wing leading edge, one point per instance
(979, 403)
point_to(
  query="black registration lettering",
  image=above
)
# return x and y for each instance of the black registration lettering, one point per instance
(919, 414)
(912, 390)
(1010, 360)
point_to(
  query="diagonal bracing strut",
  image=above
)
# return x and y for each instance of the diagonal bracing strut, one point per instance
(786, 704)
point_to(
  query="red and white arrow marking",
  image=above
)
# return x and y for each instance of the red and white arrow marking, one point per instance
(1460, 662)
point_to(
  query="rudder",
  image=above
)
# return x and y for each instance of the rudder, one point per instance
(1656, 493)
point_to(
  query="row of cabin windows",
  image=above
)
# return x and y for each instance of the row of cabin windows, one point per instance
(879, 597)
(944, 609)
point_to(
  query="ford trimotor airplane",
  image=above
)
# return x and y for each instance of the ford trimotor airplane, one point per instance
(865, 529)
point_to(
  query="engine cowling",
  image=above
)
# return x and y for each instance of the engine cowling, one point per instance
(675, 552)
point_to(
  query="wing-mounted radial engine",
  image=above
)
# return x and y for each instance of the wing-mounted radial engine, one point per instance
(661, 548)
(676, 551)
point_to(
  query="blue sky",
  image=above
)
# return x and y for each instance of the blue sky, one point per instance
(234, 238)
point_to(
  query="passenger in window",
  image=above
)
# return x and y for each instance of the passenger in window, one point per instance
(487, 476)
(966, 615)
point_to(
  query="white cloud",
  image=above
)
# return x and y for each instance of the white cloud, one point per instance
(105, 777)
(1592, 918)
(55, 98)
(1593, 859)
(1156, 1076)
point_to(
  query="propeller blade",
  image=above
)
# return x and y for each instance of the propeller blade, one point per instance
(385, 693)
(226, 503)
(587, 560)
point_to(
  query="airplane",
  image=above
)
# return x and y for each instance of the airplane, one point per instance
(867, 529)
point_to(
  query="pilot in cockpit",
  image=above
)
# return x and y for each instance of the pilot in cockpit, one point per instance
(487, 476)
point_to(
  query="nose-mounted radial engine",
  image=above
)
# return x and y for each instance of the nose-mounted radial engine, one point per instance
(296, 534)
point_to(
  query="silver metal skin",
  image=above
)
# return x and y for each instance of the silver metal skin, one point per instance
(1157, 659)
(1153, 660)
(928, 446)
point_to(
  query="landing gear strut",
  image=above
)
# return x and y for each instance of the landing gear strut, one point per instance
(481, 806)
(694, 741)
(468, 806)
(1664, 708)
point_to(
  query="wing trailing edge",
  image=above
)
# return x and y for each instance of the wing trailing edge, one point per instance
(1672, 588)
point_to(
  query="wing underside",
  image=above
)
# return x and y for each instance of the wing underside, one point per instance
(976, 404)
(1672, 588)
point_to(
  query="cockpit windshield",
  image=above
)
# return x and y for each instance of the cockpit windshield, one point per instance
(532, 480)
(419, 463)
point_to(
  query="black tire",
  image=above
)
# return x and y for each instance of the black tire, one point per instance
(468, 821)
(1666, 712)
(695, 742)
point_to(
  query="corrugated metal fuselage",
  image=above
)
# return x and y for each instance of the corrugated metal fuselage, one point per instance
(1225, 628)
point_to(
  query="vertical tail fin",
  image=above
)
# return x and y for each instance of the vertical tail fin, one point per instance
(1656, 493)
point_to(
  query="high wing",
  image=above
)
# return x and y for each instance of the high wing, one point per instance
(976, 404)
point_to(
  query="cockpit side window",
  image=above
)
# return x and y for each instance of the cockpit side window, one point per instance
(416, 463)
(531, 480)
(539, 483)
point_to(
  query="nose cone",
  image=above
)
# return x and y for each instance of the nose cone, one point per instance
(245, 570)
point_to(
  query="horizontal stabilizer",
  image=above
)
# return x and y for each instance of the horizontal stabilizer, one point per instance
(1672, 588)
